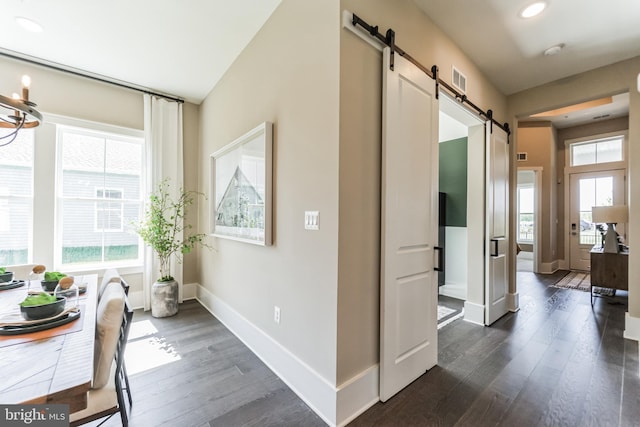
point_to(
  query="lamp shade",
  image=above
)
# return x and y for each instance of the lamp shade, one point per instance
(617, 214)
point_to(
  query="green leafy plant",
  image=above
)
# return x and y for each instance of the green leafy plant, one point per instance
(164, 230)
(3, 270)
(53, 276)
(38, 299)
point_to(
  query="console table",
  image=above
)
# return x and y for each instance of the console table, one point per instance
(609, 270)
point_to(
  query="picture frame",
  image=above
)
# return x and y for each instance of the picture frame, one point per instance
(241, 187)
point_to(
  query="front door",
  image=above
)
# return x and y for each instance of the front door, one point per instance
(588, 189)
(409, 226)
(497, 225)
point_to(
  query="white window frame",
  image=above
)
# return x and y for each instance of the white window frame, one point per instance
(47, 221)
(597, 166)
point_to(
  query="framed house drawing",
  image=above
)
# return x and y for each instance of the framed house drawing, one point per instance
(241, 174)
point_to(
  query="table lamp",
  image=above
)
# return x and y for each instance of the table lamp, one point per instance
(611, 215)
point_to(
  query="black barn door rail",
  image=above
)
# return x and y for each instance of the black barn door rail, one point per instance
(389, 40)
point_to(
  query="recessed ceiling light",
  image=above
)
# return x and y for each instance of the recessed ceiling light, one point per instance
(533, 9)
(29, 24)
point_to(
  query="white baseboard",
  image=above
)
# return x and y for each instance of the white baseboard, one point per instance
(454, 290)
(474, 313)
(549, 267)
(631, 327)
(357, 395)
(136, 299)
(335, 405)
(513, 302)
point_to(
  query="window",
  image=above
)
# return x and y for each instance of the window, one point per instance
(597, 151)
(99, 192)
(525, 214)
(16, 199)
(108, 214)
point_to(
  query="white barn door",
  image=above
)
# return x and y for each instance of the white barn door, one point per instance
(497, 244)
(408, 312)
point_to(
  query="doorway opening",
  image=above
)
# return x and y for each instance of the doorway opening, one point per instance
(461, 216)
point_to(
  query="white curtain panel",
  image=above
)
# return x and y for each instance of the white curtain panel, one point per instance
(163, 136)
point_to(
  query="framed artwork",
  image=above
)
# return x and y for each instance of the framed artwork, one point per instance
(241, 187)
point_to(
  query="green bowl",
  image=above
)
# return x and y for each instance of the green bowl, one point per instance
(6, 277)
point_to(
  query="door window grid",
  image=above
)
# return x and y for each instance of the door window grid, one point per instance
(593, 192)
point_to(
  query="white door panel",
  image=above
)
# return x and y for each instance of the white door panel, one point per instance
(497, 283)
(408, 303)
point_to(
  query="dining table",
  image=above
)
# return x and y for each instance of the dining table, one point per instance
(50, 366)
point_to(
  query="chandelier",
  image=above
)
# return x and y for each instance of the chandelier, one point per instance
(17, 113)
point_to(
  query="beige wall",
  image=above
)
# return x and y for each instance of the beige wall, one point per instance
(360, 145)
(64, 94)
(288, 74)
(537, 140)
(613, 79)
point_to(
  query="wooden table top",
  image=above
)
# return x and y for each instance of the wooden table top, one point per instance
(52, 366)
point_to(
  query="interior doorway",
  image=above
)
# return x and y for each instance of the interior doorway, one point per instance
(462, 188)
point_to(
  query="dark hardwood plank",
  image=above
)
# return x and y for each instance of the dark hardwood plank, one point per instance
(556, 362)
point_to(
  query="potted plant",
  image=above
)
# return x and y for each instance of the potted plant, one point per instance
(164, 230)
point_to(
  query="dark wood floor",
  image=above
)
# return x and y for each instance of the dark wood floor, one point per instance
(556, 362)
(212, 379)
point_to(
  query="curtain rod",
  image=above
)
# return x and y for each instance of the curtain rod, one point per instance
(46, 64)
(389, 40)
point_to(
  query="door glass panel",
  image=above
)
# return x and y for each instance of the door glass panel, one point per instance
(593, 192)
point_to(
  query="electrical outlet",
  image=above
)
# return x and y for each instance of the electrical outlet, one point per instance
(276, 314)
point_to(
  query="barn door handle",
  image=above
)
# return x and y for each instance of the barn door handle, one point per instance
(494, 242)
(440, 264)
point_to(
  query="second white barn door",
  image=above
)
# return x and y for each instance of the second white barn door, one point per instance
(497, 224)
(408, 329)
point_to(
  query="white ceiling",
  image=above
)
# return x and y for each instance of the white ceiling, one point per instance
(509, 49)
(180, 48)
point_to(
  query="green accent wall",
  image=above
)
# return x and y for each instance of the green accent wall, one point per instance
(453, 180)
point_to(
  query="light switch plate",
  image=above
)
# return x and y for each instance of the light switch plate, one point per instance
(312, 220)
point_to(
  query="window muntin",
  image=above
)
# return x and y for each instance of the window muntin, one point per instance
(99, 195)
(16, 199)
(596, 152)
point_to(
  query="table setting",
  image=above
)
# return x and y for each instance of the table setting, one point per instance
(38, 307)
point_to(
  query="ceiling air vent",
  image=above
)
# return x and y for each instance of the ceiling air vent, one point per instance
(459, 80)
(522, 157)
